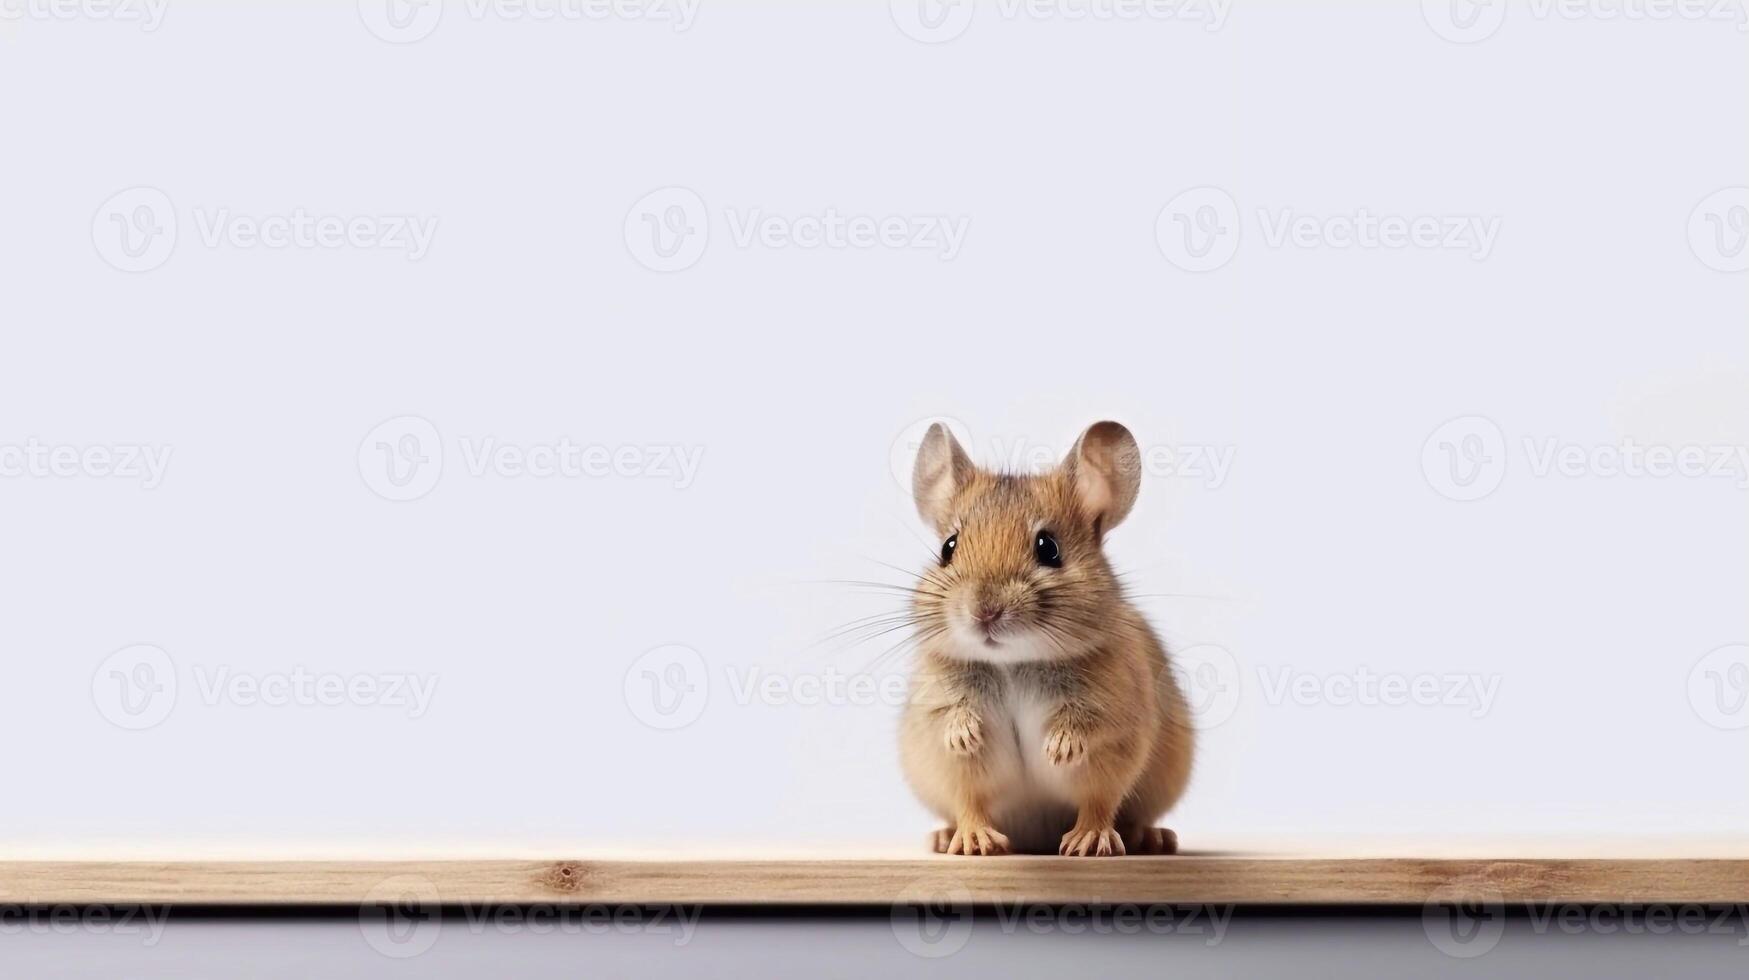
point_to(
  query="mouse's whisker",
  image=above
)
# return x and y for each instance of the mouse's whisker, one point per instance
(910, 641)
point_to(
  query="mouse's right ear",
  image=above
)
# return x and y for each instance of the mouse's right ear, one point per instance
(942, 468)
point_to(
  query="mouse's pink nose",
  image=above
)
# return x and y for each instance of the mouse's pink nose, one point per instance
(988, 615)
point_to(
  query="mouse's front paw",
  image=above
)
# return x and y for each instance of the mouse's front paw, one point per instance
(1084, 841)
(964, 733)
(1064, 748)
(976, 840)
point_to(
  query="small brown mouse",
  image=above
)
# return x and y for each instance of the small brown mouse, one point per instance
(1044, 715)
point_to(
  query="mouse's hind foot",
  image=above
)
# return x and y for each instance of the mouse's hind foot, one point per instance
(1154, 840)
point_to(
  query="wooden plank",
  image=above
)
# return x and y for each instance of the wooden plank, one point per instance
(1300, 876)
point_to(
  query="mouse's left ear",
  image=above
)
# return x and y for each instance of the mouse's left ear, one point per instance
(1105, 468)
(942, 468)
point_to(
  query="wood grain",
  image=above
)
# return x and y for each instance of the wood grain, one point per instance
(1303, 875)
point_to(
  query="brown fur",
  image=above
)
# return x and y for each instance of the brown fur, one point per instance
(1062, 727)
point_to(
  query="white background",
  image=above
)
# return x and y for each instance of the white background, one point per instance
(1332, 546)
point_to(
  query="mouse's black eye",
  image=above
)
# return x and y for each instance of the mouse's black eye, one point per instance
(1044, 548)
(947, 548)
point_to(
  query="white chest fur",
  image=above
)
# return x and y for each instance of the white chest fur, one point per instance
(1024, 717)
